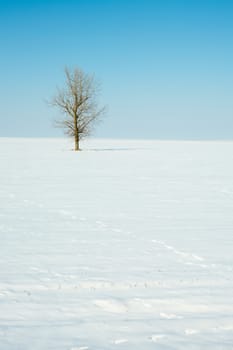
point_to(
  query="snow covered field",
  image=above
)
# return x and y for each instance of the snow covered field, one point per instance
(126, 245)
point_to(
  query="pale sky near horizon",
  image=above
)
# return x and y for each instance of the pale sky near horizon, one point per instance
(166, 67)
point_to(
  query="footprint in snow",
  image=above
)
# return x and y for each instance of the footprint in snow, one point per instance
(100, 223)
(191, 331)
(120, 341)
(117, 230)
(157, 337)
(170, 316)
(113, 306)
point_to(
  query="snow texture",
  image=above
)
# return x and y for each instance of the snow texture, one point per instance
(125, 245)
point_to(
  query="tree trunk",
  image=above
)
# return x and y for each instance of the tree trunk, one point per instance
(76, 135)
(76, 142)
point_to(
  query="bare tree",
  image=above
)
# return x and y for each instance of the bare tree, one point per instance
(78, 102)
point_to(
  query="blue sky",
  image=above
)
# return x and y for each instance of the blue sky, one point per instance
(166, 67)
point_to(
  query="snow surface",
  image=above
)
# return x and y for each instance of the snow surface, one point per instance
(125, 245)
